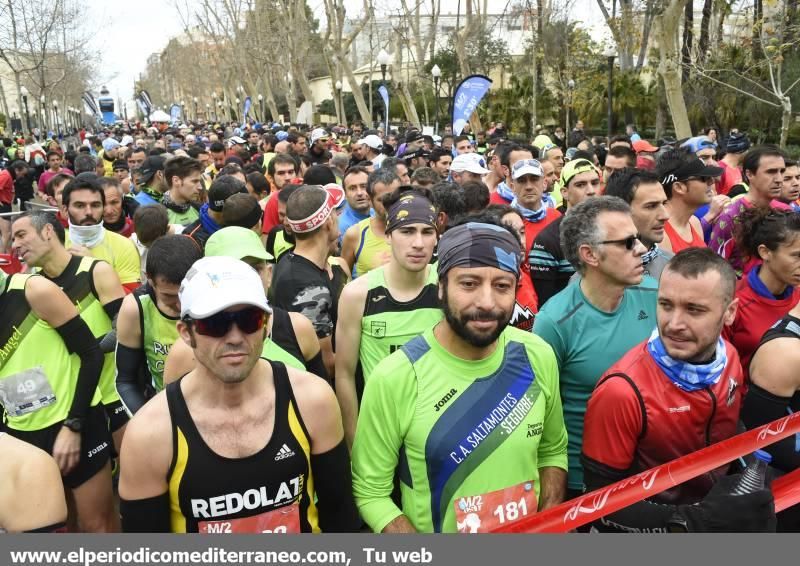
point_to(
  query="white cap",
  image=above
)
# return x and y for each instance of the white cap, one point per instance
(472, 162)
(318, 133)
(126, 140)
(372, 141)
(526, 167)
(235, 140)
(216, 283)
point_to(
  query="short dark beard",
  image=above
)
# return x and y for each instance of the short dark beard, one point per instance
(459, 323)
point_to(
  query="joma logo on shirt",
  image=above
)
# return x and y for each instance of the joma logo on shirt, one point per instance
(443, 401)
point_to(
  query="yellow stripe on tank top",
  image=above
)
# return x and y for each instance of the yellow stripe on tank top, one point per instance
(297, 431)
(177, 520)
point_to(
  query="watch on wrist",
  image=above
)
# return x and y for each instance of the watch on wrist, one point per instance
(677, 525)
(74, 424)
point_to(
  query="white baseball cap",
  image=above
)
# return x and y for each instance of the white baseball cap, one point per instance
(318, 134)
(372, 141)
(216, 283)
(526, 167)
(472, 162)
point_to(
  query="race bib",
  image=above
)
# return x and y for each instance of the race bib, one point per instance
(486, 512)
(285, 520)
(26, 392)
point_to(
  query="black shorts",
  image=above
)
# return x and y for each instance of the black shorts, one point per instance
(95, 445)
(117, 415)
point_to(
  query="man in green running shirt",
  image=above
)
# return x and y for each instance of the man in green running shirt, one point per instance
(389, 305)
(467, 414)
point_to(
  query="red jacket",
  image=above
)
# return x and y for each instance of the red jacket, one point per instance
(637, 418)
(754, 316)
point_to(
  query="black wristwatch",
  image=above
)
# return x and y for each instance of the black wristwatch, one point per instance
(677, 525)
(74, 424)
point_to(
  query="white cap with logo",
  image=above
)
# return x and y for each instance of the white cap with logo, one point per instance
(214, 284)
(472, 162)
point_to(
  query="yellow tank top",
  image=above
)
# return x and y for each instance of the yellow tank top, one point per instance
(372, 251)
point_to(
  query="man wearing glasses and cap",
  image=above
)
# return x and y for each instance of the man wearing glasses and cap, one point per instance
(599, 317)
(240, 444)
(457, 410)
(688, 182)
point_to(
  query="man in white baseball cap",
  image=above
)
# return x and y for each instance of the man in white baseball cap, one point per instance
(373, 145)
(527, 183)
(293, 451)
(468, 167)
(318, 150)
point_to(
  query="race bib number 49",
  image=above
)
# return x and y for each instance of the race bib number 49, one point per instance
(26, 392)
(486, 512)
(285, 520)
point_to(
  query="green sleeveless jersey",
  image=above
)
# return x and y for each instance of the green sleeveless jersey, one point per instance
(77, 282)
(456, 431)
(371, 252)
(387, 324)
(159, 333)
(38, 375)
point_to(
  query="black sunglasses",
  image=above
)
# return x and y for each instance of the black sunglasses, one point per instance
(248, 320)
(629, 242)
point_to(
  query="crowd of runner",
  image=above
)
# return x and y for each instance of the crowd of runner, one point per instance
(279, 329)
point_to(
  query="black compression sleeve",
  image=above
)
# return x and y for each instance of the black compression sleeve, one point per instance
(79, 340)
(315, 366)
(644, 516)
(761, 407)
(334, 486)
(145, 515)
(113, 307)
(129, 361)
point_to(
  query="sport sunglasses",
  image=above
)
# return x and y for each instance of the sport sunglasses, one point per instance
(248, 320)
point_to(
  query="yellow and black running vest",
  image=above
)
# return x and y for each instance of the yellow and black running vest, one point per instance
(77, 282)
(269, 491)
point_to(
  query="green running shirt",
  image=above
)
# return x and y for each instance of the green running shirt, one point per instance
(587, 341)
(387, 324)
(455, 428)
(159, 333)
(77, 282)
(26, 343)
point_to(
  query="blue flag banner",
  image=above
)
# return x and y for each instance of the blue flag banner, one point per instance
(466, 99)
(146, 102)
(382, 90)
(175, 113)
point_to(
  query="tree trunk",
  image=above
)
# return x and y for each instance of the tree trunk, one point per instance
(702, 50)
(786, 120)
(758, 21)
(661, 114)
(688, 36)
(666, 27)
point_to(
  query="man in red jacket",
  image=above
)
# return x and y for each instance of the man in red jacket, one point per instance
(672, 395)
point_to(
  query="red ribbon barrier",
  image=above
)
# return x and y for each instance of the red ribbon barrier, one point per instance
(591, 506)
(786, 490)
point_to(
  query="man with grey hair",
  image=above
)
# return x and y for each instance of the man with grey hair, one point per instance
(596, 319)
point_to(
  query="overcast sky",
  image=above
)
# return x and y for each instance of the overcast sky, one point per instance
(127, 33)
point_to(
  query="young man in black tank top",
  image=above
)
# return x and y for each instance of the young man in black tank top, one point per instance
(245, 445)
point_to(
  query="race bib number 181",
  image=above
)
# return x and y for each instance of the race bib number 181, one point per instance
(486, 512)
(285, 520)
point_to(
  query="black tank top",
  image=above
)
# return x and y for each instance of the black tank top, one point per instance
(269, 491)
(787, 327)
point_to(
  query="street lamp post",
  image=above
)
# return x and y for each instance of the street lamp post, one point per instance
(383, 61)
(338, 104)
(218, 113)
(183, 110)
(214, 104)
(24, 92)
(195, 108)
(262, 116)
(610, 54)
(208, 112)
(571, 87)
(437, 74)
(236, 109)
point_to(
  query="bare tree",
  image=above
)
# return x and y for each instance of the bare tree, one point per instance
(666, 26)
